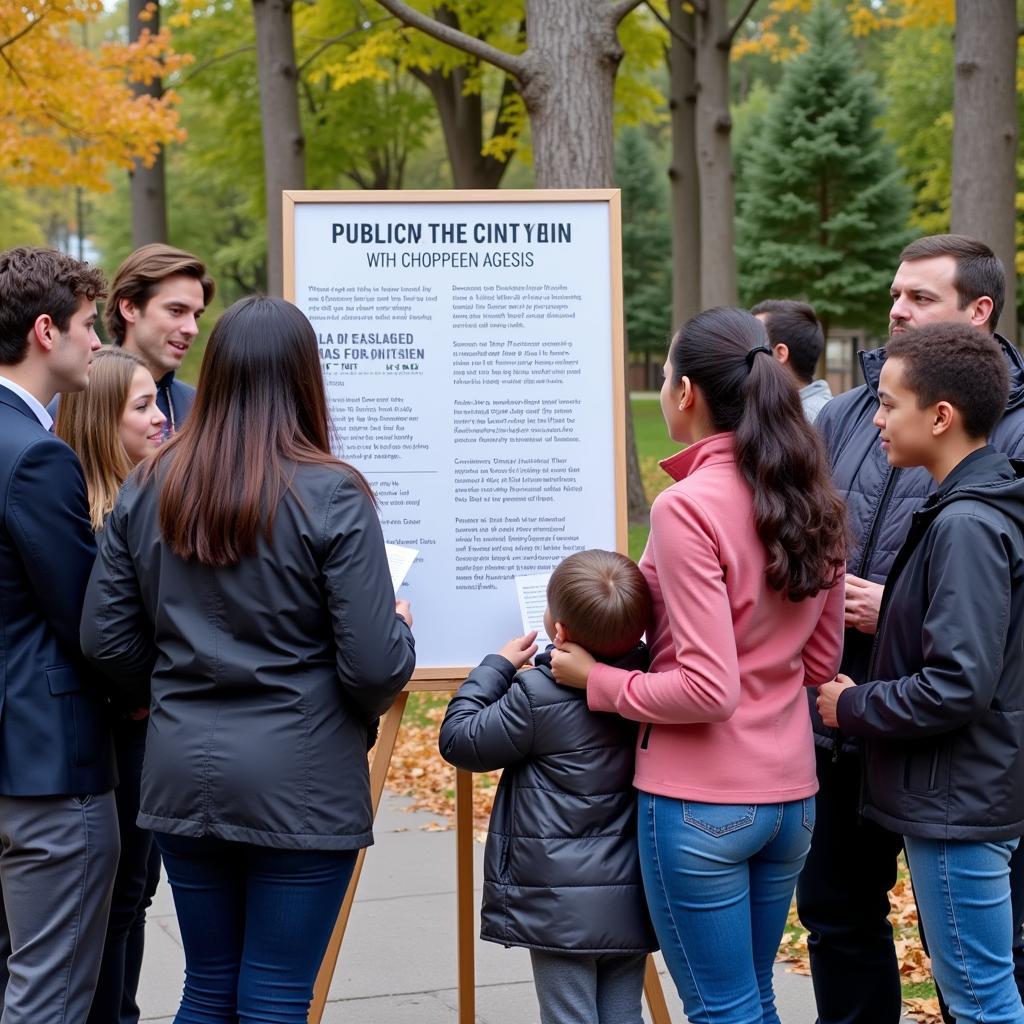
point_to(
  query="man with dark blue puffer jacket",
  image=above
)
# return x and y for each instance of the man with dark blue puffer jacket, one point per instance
(842, 895)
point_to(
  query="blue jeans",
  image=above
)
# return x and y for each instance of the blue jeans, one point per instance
(255, 923)
(719, 880)
(963, 898)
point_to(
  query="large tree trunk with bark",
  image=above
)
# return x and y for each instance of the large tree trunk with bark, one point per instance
(714, 156)
(684, 182)
(284, 148)
(148, 184)
(573, 54)
(985, 135)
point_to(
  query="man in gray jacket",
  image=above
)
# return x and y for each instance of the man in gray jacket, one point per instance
(797, 341)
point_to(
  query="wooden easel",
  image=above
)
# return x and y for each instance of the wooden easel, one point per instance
(465, 931)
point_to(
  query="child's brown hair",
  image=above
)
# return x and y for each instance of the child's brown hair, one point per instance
(602, 599)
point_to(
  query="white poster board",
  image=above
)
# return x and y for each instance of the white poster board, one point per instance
(472, 350)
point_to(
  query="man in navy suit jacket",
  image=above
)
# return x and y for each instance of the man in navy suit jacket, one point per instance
(58, 825)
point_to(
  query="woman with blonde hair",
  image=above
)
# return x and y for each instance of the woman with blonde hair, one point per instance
(113, 425)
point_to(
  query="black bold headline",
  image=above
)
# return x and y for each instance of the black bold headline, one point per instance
(452, 233)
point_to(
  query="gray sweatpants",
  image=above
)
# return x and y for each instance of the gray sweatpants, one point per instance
(604, 989)
(58, 856)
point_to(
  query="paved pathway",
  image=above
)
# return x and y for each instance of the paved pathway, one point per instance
(397, 965)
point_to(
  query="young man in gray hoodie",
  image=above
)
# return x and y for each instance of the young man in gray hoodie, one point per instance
(797, 341)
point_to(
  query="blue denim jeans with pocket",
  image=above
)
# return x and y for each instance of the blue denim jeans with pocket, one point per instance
(255, 922)
(963, 899)
(719, 880)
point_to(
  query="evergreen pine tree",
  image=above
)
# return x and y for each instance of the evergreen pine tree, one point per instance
(823, 209)
(646, 244)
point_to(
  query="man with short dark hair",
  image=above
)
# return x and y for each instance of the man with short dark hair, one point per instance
(797, 341)
(156, 299)
(58, 826)
(842, 895)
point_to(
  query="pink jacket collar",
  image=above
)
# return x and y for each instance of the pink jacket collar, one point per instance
(710, 451)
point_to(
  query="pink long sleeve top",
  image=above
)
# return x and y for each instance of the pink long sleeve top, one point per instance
(723, 709)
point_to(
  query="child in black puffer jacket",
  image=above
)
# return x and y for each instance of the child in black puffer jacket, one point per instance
(561, 870)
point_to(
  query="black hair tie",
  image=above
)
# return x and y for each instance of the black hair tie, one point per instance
(753, 352)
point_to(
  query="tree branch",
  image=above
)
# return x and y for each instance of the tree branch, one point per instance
(620, 8)
(507, 62)
(18, 35)
(681, 36)
(219, 59)
(326, 44)
(726, 42)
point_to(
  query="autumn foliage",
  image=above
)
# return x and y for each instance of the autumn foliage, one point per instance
(68, 111)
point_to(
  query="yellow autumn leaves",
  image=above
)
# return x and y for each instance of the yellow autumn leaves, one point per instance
(67, 110)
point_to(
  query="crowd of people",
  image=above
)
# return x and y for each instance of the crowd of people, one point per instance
(817, 663)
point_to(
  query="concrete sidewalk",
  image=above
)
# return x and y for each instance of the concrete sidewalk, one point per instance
(397, 965)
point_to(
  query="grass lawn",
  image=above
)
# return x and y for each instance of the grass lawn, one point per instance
(652, 444)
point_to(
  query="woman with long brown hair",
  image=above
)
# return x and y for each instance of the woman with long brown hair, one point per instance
(242, 577)
(744, 561)
(113, 425)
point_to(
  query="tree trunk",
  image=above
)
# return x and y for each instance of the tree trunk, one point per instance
(462, 121)
(985, 135)
(684, 185)
(284, 148)
(148, 184)
(714, 157)
(573, 54)
(462, 124)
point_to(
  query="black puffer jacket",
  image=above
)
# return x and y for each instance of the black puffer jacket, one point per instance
(944, 720)
(265, 674)
(882, 499)
(561, 869)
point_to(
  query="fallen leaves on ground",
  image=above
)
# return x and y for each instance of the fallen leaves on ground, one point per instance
(419, 772)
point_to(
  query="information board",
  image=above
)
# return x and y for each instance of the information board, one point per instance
(472, 348)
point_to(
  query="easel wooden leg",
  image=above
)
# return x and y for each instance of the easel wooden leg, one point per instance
(655, 995)
(464, 895)
(378, 775)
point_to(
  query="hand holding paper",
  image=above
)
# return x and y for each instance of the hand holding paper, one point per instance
(532, 592)
(399, 562)
(520, 650)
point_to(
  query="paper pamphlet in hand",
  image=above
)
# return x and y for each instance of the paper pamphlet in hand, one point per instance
(399, 562)
(533, 599)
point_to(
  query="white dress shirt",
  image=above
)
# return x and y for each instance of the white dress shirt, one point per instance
(30, 400)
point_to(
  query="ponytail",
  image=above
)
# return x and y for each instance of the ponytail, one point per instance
(798, 514)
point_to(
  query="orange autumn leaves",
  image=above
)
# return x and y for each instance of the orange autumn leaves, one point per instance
(67, 110)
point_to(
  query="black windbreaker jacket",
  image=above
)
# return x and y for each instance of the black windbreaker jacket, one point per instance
(261, 677)
(944, 715)
(882, 499)
(561, 867)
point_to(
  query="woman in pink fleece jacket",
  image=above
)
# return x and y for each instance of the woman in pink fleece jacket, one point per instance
(744, 555)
